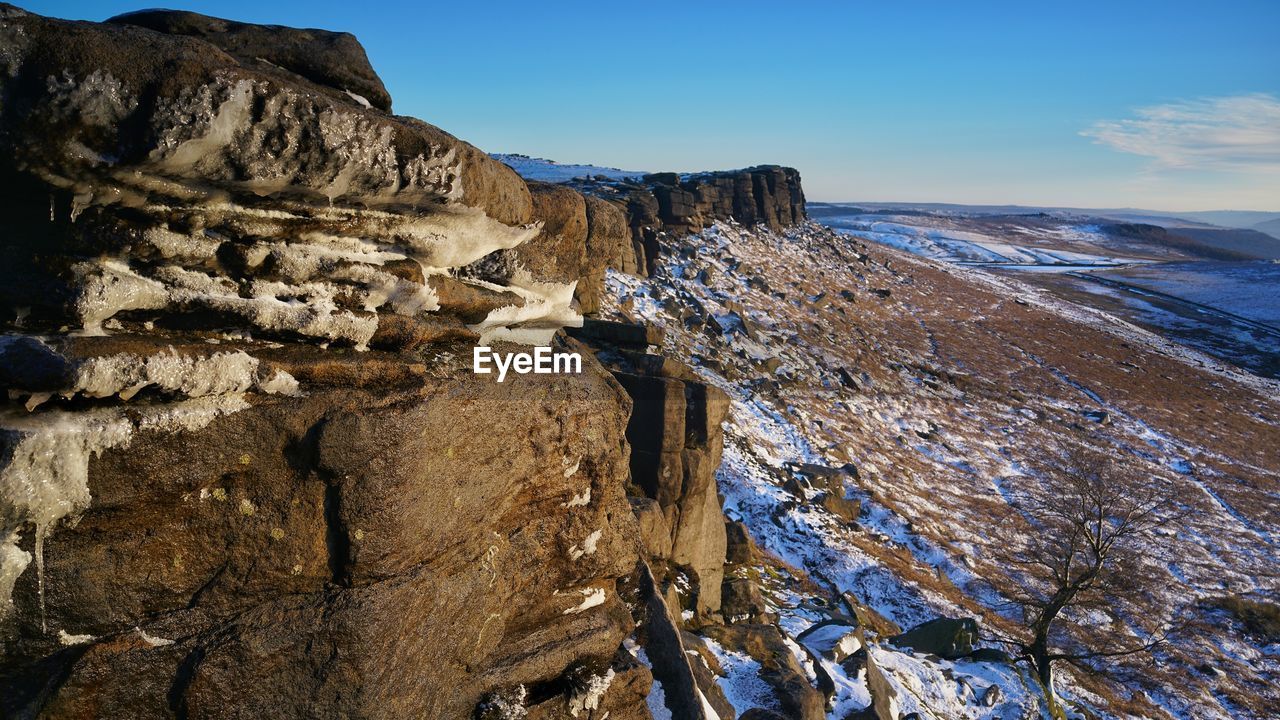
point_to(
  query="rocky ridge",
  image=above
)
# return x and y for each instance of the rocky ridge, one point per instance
(246, 471)
(245, 467)
(660, 208)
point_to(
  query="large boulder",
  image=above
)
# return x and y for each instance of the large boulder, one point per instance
(779, 669)
(608, 245)
(948, 638)
(608, 237)
(559, 252)
(834, 638)
(152, 177)
(664, 646)
(742, 601)
(884, 695)
(740, 547)
(676, 442)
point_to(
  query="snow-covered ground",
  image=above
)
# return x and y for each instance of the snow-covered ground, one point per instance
(1248, 289)
(941, 384)
(1230, 310)
(1045, 243)
(531, 168)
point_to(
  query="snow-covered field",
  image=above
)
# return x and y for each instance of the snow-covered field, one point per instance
(1248, 289)
(942, 384)
(954, 245)
(1037, 241)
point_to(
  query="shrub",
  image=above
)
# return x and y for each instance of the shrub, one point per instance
(1260, 619)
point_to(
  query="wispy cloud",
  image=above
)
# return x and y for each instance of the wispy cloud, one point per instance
(1236, 133)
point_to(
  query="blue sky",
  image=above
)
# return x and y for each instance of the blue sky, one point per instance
(1166, 105)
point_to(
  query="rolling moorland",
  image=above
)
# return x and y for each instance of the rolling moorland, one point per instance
(1209, 287)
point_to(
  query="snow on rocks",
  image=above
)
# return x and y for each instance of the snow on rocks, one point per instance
(958, 690)
(588, 697)
(588, 546)
(591, 597)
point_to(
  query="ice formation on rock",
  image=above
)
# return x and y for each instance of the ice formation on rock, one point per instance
(68, 639)
(152, 640)
(319, 284)
(323, 259)
(547, 308)
(46, 478)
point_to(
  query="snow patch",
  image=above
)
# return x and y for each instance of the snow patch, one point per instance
(360, 100)
(67, 639)
(580, 500)
(282, 383)
(588, 545)
(592, 597)
(588, 698)
(151, 639)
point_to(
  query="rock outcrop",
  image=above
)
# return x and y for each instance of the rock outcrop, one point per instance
(663, 206)
(152, 174)
(676, 442)
(245, 467)
(948, 638)
(330, 59)
(367, 547)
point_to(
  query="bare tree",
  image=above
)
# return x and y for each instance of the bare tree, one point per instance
(1088, 522)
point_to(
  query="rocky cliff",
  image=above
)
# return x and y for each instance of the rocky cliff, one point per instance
(660, 208)
(245, 467)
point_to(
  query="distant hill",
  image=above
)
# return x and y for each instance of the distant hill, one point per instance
(1209, 243)
(1236, 240)
(1227, 218)
(1213, 234)
(1270, 227)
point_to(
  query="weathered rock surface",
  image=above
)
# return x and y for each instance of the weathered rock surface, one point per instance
(660, 635)
(779, 668)
(331, 59)
(214, 505)
(609, 235)
(153, 175)
(676, 443)
(884, 697)
(119, 114)
(321, 551)
(741, 601)
(948, 638)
